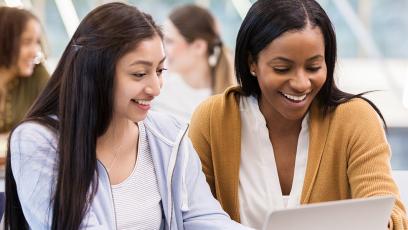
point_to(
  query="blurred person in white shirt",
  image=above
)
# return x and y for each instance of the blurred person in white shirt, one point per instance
(200, 64)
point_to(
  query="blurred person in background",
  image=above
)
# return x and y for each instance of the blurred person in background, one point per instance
(22, 75)
(199, 62)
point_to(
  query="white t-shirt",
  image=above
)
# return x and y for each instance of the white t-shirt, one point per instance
(259, 188)
(179, 99)
(137, 198)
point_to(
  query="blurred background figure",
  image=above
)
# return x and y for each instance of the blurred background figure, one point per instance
(199, 61)
(22, 75)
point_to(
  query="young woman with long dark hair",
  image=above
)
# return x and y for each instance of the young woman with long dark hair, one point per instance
(90, 155)
(287, 135)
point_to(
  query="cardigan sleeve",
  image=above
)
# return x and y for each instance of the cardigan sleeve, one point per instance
(369, 169)
(199, 134)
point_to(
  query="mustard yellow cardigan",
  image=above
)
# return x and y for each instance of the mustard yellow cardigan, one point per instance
(349, 156)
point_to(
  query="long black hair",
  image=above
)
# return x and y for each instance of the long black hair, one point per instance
(265, 21)
(80, 95)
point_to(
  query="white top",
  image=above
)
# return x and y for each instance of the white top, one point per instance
(259, 188)
(137, 198)
(179, 99)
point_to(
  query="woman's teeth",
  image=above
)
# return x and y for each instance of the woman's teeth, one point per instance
(142, 102)
(294, 98)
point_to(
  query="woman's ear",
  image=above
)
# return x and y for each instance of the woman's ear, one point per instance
(252, 66)
(200, 47)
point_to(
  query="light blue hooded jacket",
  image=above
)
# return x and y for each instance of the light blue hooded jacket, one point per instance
(187, 201)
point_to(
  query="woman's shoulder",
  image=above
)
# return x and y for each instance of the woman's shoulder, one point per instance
(32, 127)
(33, 133)
(220, 102)
(219, 111)
(159, 119)
(356, 114)
(357, 107)
(164, 126)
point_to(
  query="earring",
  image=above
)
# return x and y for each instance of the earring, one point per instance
(213, 58)
(253, 73)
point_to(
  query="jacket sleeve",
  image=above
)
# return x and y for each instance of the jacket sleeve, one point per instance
(34, 167)
(202, 210)
(199, 132)
(369, 168)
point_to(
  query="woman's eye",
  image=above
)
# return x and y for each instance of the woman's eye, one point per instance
(314, 69)
(139, 75)
(25, 41)
(160, 71)
(281, 69)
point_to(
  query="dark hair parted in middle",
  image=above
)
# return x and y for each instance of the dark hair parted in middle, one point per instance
(80, 95)
(265, 21)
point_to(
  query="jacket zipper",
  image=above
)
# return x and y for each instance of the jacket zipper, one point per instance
(177, 147)
(114, 207)
(113, 199)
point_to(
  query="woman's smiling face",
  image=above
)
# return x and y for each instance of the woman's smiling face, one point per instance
(138, 79)
(29, 48)
(290, 71)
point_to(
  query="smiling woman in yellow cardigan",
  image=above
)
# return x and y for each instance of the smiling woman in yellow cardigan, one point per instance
(348, 154)
(285, 60)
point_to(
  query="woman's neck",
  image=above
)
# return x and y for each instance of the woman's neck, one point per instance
(114, 135)
(277, 123)
(199, 76)
(117, 149)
